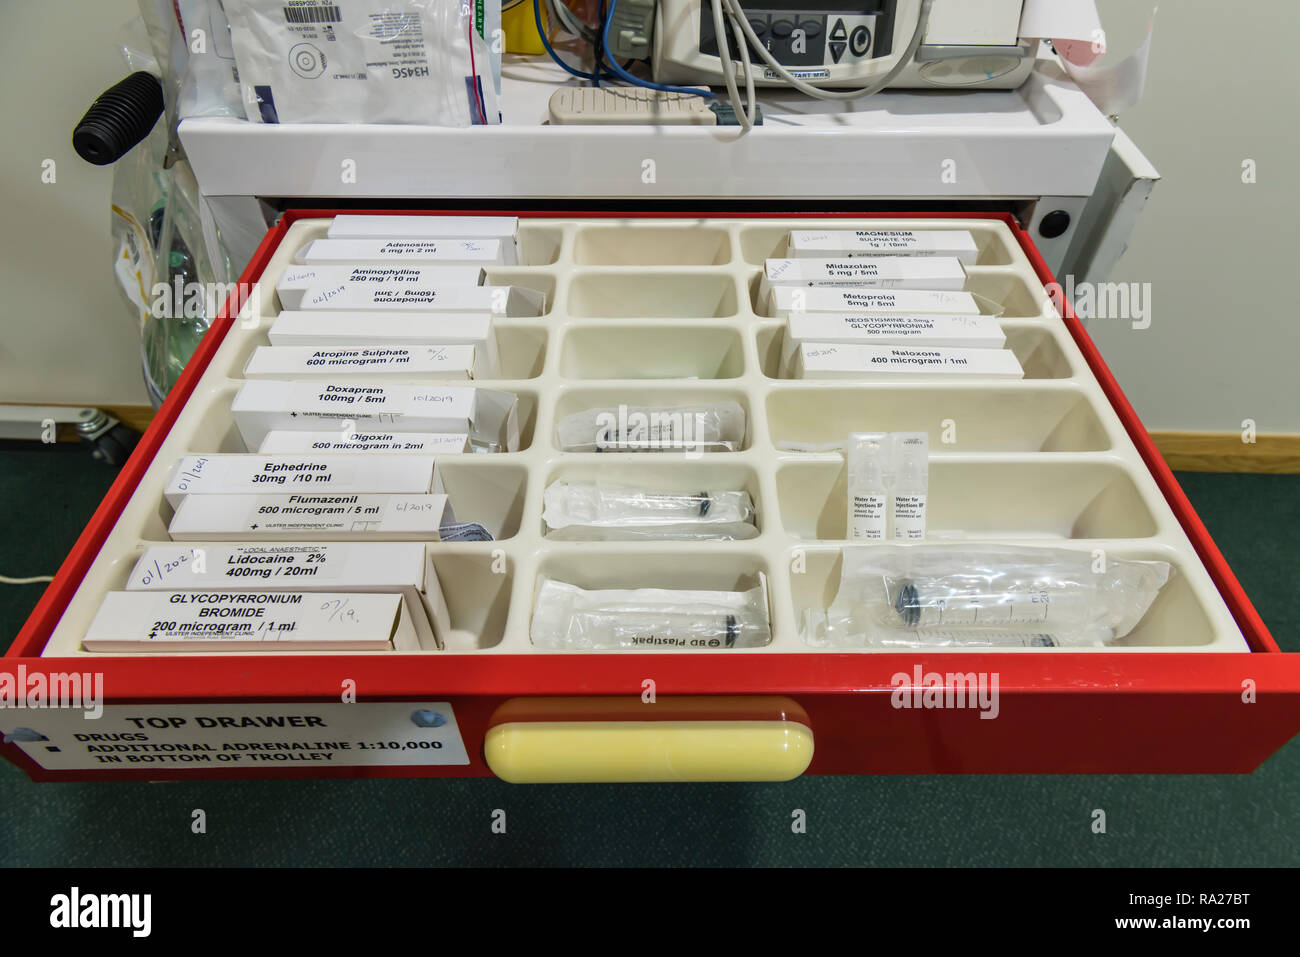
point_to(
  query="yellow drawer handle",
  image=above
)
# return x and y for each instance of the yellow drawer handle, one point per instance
(570, 752)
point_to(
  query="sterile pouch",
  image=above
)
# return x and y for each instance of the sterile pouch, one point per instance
(568, 617)
(596, 511)
(983, 595)
(366, 61)
(702, 427)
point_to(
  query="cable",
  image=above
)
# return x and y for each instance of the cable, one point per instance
(728, 65)
(6, 580)
(922, 21)
(541, 32)
(637, 81)
(751, 99)
(570, 20)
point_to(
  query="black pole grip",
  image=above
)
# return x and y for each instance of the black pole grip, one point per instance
(119, 118)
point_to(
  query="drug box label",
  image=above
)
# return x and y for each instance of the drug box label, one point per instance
(198, 738)
(818, 360)
(368, 226)
(852, 243)
(310, 516)
(449, 251)
(296, 280)
(936, 273)
(409, 297)
(228, 473)
(372, 330)
(263, 405)
(787, 299)
(446, 361)
(286, 442)
(401, 567)
(219, 621)
(969, 332)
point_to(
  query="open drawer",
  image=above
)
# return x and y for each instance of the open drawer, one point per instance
(643, 310)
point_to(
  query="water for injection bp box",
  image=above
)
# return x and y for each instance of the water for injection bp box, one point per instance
(296, 280)
(509, 301)
(310, 516)
(374, 329)
(941, 273)
(274, 622)
(816, 360)
(234, 472)
(489, 417)
(348, 252)
(291, 442)
(434, 362)
(403, 568)
(784, 300)
(361, 226)
(855, 243)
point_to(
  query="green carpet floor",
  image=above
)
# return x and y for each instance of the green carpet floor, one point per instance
(1185, 821)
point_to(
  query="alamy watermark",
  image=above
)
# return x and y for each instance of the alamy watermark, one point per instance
(56, 689)
(976, 691)
(202, 300)
(643, 430)
(1103, 300)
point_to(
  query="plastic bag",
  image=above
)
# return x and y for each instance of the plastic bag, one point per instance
(568, 617)
(990, 595)
(194, 57)
(367, 61)
(595, 511)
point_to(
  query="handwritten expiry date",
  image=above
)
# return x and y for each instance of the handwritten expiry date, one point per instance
(340, 610)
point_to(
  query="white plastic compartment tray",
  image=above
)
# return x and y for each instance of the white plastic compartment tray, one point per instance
(649, 311)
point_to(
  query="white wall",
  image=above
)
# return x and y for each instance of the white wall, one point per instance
(65, 336)
(1221, 255)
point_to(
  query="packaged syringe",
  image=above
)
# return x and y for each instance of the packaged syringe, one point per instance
(235, 473)
(296, 280)
(816, 360)
(250, 621)
(854, 243)
(433, 362)
(348, 252)
(489, 417)
(784, 300)
(399, 567)
(934, 273)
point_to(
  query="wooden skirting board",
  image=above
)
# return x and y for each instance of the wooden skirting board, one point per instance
(1184, 451)
(1226, 452)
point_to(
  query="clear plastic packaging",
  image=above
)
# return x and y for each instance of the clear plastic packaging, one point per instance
(702, 427)
(566, 617)
(368, 61)
(596, 511)
(983, 595)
